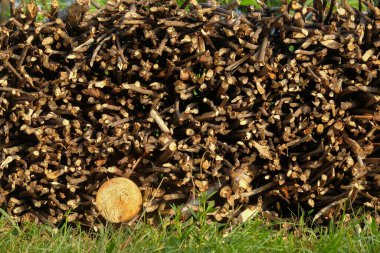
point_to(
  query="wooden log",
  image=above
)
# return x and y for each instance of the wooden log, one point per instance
(118, 200)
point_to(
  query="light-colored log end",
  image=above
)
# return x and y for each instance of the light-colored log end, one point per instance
(119, 200)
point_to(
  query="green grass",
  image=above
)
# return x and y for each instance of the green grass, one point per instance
(195, 235)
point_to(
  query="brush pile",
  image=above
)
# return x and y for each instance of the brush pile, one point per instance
(273, 109)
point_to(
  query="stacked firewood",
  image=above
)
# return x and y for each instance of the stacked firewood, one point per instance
(271, 110)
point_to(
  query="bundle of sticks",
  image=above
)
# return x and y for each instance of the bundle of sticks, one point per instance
(271, 110)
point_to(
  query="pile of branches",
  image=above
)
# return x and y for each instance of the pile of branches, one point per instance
(274, 109)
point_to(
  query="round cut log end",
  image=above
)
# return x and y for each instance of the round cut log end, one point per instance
(119, 200)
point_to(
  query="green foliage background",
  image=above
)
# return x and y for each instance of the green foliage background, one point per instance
(45, 4)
